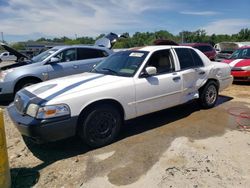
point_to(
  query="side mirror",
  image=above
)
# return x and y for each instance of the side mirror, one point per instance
(54, 60)
(149, 71)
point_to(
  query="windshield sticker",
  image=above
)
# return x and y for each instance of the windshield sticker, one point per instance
(136, 54)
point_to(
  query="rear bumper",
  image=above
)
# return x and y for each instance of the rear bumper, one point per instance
(43, 130)
(241, 75)
(226, 82)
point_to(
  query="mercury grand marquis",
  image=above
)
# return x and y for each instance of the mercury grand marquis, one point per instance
(126, 85)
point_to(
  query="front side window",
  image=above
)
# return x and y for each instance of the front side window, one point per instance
(162, 60)
(124, 63)
(67, 55)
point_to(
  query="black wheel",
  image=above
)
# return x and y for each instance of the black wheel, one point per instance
(25, 83)
(209, 95)
(100, 125)
(0, 60)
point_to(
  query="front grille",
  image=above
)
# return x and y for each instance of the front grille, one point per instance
(20, 103)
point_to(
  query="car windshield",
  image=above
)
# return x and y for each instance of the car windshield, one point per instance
(243, 53)
(42, 56)
(124, 63)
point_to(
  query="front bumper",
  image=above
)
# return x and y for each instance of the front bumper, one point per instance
(241, 75)
(43, 130)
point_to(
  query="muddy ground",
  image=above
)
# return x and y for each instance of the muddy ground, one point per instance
(184, 146)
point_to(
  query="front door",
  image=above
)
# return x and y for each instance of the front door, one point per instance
(162, 90)
(66, 66)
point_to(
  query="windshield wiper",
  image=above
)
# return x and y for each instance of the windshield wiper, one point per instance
(110, 70)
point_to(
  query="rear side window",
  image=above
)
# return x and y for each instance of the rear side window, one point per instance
(188, 58)
(185, 58)
(90, 53)
(196, 58)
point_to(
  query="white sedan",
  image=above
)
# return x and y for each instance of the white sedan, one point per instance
(124, 86)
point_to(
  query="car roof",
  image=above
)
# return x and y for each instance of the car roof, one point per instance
(196, 44)
(79, 46)
(157, 47)
(244, 47)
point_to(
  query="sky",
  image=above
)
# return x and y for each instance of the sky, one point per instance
(22, 20)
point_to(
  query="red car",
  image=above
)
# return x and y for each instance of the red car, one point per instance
(206, 48)
(239, 62)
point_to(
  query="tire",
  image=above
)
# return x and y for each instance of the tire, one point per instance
(24, 84)
(208, 95)
(100, 126)
(0, 60)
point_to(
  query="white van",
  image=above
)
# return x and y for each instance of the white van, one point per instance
(7, 56)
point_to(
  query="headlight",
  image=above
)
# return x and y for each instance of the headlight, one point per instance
(32, 110)
(4, 73)
(46, 112)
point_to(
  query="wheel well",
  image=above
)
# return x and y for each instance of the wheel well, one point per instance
(25, 79)
(112, 102)
(105, 101)
(211, 80)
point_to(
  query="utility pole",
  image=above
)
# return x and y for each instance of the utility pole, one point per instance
(2, 36)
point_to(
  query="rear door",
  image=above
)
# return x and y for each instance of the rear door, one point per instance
(162, 90)
(88, 57)
(192, 72)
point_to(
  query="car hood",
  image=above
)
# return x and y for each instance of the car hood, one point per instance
(14, 65)
(72, 84)
(14, 52)
(237, 62)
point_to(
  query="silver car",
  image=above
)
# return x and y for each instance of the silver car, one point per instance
(56, 62)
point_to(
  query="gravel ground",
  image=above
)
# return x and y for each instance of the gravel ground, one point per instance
(184, 146)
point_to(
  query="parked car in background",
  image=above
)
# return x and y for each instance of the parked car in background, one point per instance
(7, 56)
(126, 85)
(225, 49)
(239, 62)
(206, 48)
(56, 62)
(165, 42)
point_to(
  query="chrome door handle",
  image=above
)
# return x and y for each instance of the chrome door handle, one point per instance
(75, 66)
(176, 78)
